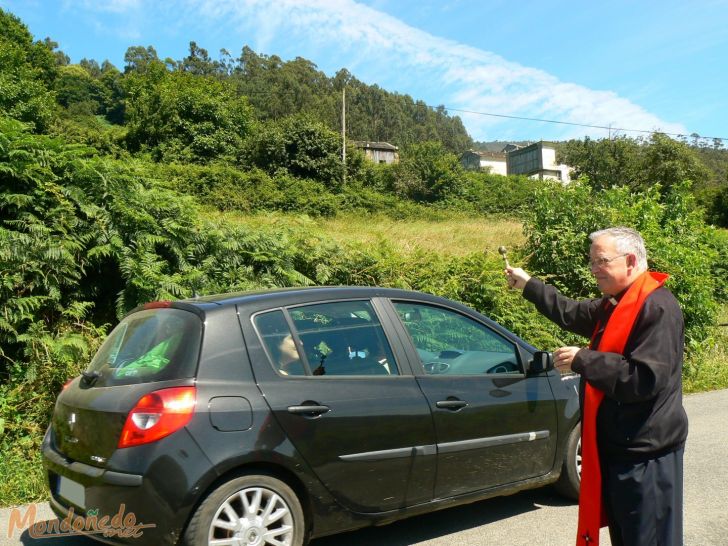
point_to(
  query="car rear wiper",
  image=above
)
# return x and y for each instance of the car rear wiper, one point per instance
(89, 378)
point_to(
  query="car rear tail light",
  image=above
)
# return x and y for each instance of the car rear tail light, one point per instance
(158, 414)
(67, 383)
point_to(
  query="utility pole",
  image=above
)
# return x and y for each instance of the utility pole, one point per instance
(343, 133)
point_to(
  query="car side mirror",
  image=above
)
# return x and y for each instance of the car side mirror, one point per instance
(542, 362)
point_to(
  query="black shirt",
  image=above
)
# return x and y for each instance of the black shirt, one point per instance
(641, 416)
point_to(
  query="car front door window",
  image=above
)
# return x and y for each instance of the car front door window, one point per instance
(449, 343)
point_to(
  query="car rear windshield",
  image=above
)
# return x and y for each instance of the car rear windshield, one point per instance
(151, 345)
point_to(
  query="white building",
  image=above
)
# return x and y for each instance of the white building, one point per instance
(492, 162)
(538, 160)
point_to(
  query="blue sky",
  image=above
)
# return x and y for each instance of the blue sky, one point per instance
(627, 64)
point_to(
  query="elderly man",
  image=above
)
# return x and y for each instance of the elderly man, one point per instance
(634, 426)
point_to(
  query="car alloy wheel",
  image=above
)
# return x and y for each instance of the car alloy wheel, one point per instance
(253, 516)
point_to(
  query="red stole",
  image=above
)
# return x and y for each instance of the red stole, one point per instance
(591, 511)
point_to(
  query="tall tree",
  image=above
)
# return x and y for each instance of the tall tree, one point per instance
(428, 172)
(669, 163)
(27, 72)
(139, 58)
(278, 88)
(75, 85)
(199, 62)
(182, 117)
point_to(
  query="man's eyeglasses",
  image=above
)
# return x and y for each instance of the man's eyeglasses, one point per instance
(601, 262)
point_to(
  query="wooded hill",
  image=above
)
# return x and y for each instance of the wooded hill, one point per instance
(274, 88)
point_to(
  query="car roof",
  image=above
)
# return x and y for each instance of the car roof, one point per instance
(275, 297)
(283, 297)
(294, 295)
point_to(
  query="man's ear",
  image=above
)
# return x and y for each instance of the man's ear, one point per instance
(631, 260)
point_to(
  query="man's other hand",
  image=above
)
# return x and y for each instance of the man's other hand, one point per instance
(563, 357)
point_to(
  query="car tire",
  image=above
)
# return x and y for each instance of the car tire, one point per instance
(239, 507)
(570, 480)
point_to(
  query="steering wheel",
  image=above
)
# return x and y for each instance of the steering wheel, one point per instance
(503, 367)
(435, 367)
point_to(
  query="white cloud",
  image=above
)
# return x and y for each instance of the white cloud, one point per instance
(381, 49)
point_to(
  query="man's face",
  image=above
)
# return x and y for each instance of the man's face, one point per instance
(613, 275)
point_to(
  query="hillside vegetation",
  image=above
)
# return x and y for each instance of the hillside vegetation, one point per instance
(174, 178)
(450, 234)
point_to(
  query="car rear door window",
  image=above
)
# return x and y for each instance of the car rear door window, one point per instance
(279, 343)
(343, 338)
(449, 343)
(328, 339)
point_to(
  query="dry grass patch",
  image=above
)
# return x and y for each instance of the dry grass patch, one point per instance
(455, 236)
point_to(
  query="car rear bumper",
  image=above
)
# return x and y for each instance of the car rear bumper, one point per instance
(112, 507)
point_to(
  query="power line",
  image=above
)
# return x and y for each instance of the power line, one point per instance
(579, 124)
(605, 127)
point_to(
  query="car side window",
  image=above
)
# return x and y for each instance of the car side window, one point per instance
(449, 343)
(279, 344)
(343, 338)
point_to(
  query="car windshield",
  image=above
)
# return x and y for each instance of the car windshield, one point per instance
(151, 345)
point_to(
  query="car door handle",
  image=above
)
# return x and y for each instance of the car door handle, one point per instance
(451, 404)
(308, 410)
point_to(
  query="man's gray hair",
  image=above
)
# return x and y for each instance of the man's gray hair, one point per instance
(626, 240)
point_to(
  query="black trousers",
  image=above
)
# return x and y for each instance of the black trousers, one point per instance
(644, 501)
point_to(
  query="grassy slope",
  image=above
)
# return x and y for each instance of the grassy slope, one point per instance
(454, 236)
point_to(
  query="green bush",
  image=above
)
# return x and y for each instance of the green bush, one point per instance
(297, 145)
(718, 206)
(27, 398)
(492, 193)
(228, 188)
(178, 116)
(27, 71)
(93, 131)
(720, 266)
(678, 242)
(426, 173)
(362, 199)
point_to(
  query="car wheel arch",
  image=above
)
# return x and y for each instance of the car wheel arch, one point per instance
(278, 472)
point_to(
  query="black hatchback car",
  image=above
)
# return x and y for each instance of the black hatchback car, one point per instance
(276, 417)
